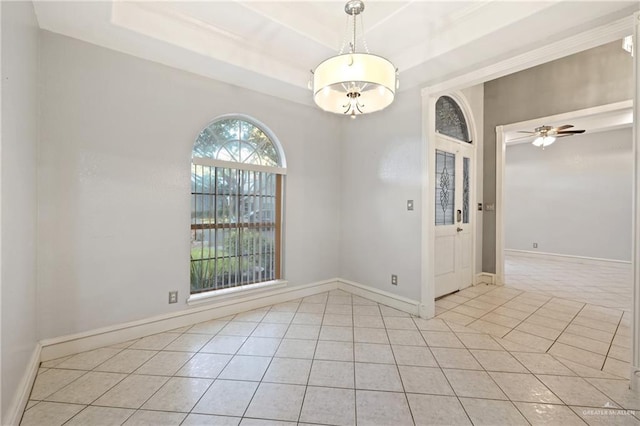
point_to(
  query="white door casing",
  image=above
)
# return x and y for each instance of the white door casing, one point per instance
(454, 219)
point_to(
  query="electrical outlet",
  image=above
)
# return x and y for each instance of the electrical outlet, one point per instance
(535, 245)
(394, 279)
(173, 296)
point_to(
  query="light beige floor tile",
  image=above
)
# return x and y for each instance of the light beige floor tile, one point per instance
(543, 321)
(406, 337)
(31, 403)
(52, 381)
(50, 414)
(584, 371)
(334, 351)
(302, 331)
(498, 361)
(490, 413)
(424, 380)
(433, 324)
(382, 377)
(339, 300)
(595, 324)
(437, 410)
(239, 328)
(382, 408)
(473, 384)
(368, 321)
(469, 311)
(455, 317)
(605, 416)
(616, 367)
(413, 355)
(251, 316)
(620, 353)
(512, 313)
(100, 416)
(243, 367)
(89, 360)
(443, 339)
(329, 406)
(542, 364)
(591, 333)
(489, 328)
(547, 414)
(155, 418)
(524, 388)
(210, 420)
(293, 348)
(165, 363)
(209, 327)
(224, 345)
(399, 323)
(485, 302)
(304, 318)
(188, 343)
(203, 365)
(279, 317)
(455, 358)
(271, 330)
(366, 310)
(336, 374)
(132, 392)
(178, 394)
(339, 309)
(538, 330)
(316, 298)
(126, 361)
(575, 391)
(446, 304)
(337, 320)
(478, 341)
(259, 346)
(289, 371)
(370, 335)
(619, 391)
(526, 339)
(276, 402)
(590, 359)
(87, 388)
(502, 320)
(226, 398)
(361, 301)
(291, 306)
(55, 362)
(336, 333)
(584, 343)
(374, 353)
(156, 342)
(388, 311)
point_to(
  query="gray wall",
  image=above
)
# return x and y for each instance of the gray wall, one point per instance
(573, 198)
(594, 77)
(18, 194)
(114, 179)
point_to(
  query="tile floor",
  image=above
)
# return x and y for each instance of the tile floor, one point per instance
(339, 359)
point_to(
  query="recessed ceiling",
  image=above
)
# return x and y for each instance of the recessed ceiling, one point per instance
(272, 46)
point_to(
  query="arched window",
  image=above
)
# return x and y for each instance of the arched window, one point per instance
(236, 205)
(450, 119)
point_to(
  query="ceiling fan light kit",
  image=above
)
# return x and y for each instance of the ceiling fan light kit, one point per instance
(354, 83)
(546, 135)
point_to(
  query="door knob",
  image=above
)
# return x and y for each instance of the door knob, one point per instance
(459, 229)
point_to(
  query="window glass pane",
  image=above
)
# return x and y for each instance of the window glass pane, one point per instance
(450, 120)
(445, 187)
(465, 189)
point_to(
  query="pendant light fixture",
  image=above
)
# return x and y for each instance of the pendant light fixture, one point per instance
(354, 83)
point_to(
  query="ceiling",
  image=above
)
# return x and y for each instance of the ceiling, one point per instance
(272, 46)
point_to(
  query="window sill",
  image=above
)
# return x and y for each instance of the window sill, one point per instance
(227, 293)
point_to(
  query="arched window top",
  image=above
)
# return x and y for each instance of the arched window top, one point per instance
(239, 140)
(450, 119)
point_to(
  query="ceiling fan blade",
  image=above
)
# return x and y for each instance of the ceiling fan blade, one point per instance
(571, 132)
(563, 135)
(566, 126)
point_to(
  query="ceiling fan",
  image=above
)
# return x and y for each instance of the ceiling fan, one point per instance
(546, 135)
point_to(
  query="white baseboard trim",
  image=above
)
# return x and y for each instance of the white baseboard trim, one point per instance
(485, 278)
(565, 257)
(21, 396)
(386, 298)
(97, 338)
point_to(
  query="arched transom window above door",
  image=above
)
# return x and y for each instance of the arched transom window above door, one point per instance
(450, 120)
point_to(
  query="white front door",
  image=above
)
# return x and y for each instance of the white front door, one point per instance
(453, 215)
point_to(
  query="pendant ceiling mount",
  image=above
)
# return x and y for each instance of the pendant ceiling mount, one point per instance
(354, 83)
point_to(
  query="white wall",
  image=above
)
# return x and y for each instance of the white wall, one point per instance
(18, 194)
(573, 198)
(114, 212)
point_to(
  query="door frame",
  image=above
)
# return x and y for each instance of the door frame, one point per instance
(593, 37)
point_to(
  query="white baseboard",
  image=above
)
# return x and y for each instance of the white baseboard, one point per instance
(93, 339)
(21, 396)
(386, 298)
(565, 257)
(485, 278)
